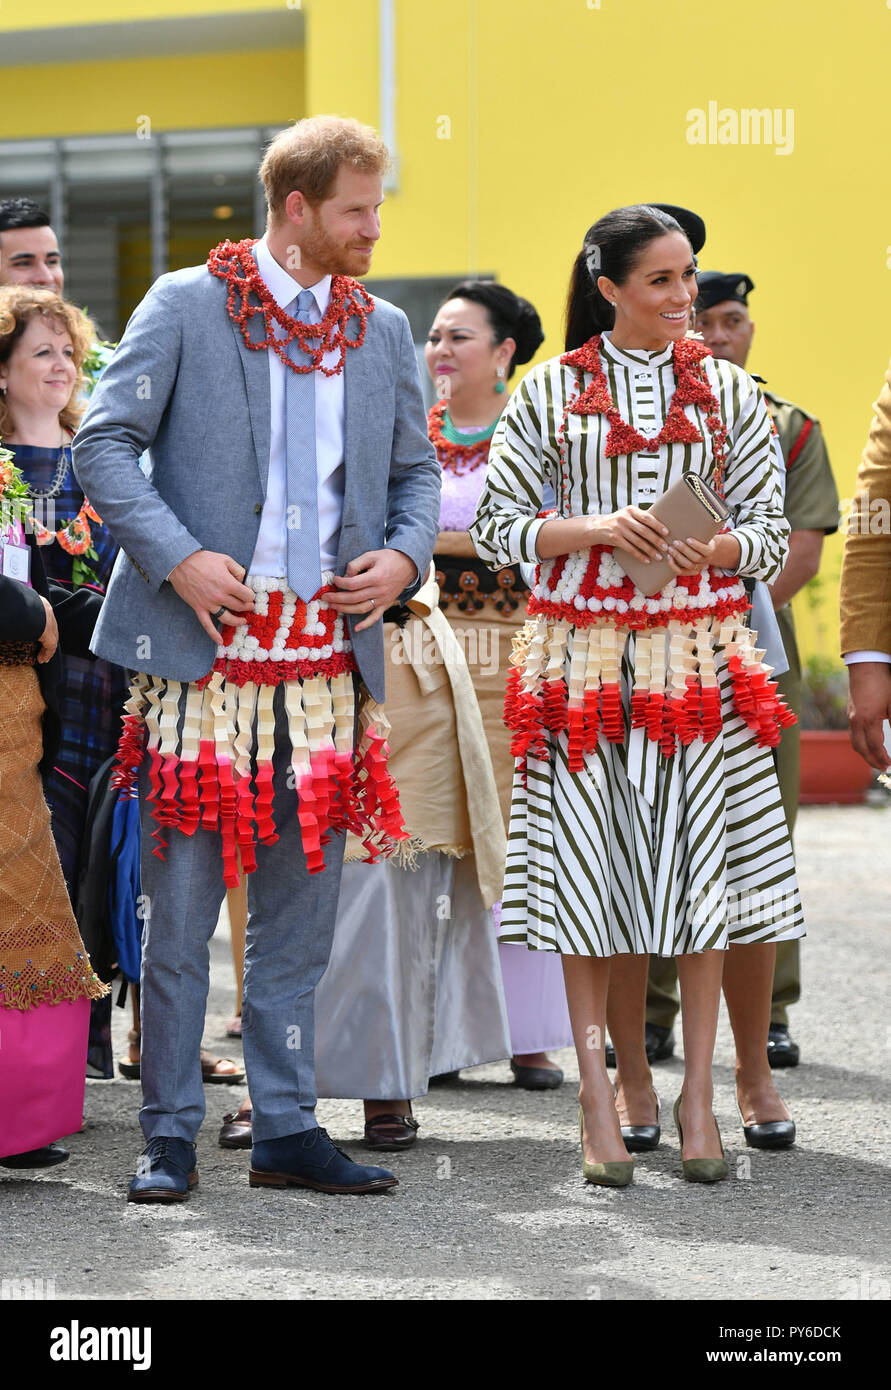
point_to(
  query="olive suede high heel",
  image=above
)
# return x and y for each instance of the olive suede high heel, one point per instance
(618, 1174)
(700, 1169)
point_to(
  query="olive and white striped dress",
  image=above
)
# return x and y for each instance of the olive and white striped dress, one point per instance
(640, 852)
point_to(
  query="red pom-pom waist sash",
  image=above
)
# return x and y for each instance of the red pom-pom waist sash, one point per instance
(566, 662)
(211, 755)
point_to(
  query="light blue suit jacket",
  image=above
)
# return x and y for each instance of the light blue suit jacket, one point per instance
(184, 384)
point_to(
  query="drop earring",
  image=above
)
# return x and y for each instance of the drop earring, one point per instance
(500, 384)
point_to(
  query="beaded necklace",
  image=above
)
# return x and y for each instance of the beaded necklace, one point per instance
(55, 487)
(459, 453)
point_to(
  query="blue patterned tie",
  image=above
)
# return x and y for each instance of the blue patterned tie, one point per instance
(302, 517)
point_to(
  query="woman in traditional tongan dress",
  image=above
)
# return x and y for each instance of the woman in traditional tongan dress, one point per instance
(481, 333)
(46, 980)
(646, 816)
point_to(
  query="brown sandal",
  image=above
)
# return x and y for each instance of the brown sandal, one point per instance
(210, 1074)
(391, 1132)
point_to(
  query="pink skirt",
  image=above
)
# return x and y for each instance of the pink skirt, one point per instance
(43, 1053)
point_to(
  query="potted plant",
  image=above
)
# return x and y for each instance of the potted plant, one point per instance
(830, 769)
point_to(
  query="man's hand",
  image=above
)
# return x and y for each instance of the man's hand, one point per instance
(210, 583)
(49, 639)
(372, 582)
(869, 704)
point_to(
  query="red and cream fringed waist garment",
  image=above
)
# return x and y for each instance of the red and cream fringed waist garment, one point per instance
(567, 660)
(210, 743)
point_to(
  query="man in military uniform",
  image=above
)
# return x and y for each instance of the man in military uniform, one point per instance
(811, 506)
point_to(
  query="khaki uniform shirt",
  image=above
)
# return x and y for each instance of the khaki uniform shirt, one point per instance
(811, 502)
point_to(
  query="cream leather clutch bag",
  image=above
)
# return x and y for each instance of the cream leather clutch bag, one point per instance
(690, 507)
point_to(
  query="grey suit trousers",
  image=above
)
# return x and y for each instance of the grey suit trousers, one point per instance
(290, 930)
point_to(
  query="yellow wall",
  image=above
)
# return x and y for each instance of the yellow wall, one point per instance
(561, 110)
(554, 113)
(53, 14)
(260, 87)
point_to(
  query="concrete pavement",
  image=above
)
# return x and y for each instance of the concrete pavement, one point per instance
(491, 1203)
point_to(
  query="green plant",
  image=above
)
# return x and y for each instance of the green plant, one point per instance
(824, 678)
(824, 694)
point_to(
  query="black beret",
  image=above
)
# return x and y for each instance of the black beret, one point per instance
(715, 287)
(690, 222)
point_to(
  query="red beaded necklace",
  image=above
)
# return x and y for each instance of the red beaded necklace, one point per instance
(233, 262)
(692, 389)
(455, 457)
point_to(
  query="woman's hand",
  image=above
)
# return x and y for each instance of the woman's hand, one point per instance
(637, 531)
(691, 556)
(49, 639)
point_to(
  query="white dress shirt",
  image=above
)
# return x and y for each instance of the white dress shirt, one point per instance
(271, 551)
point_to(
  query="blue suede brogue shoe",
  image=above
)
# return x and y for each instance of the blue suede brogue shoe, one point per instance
(165, 1172)
(309, 1159)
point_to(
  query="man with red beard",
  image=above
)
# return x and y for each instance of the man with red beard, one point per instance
(293, 498)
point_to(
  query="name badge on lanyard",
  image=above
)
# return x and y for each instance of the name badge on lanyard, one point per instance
(15, 556)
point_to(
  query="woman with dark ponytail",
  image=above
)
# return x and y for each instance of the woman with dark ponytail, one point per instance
(645, 816)
(481, 334)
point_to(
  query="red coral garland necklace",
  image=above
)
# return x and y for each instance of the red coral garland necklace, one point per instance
(233, 262)
(692, 388)
(456, 457)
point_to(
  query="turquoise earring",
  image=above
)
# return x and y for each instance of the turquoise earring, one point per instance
(500, 385)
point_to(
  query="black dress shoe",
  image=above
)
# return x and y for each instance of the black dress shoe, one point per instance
(445, 1078)
(781, 1050)
(46, 1157)
(641, 1139)
(658, 1041)
(537, 1078)
(774, 1134)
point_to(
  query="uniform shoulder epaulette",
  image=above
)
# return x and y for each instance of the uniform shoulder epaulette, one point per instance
(808, 421)
(776, 400)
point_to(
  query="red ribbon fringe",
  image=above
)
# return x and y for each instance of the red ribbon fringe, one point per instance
(667, 719)
(342, 792)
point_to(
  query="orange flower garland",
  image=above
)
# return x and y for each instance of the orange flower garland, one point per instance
(75, 536)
